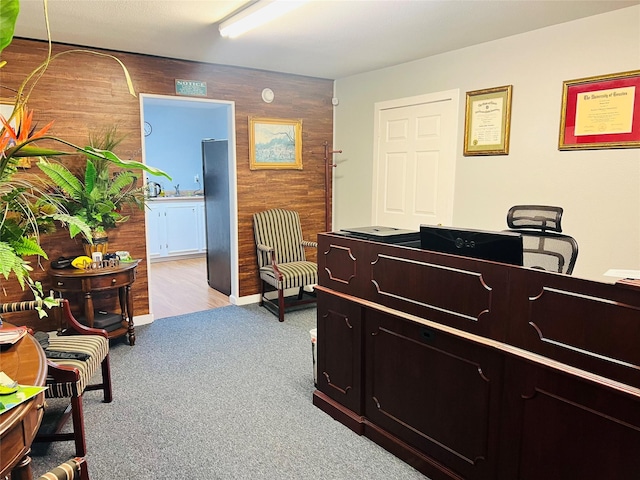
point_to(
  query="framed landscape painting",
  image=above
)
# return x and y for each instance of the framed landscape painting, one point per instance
(275, 143)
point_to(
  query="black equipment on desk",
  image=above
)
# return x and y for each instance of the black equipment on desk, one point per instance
(395, 236)
(503, 247)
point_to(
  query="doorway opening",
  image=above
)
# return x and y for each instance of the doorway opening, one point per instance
(173, 129)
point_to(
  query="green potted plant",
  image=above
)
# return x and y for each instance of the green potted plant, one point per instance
(26, 207)
(101, 197)
(27, 211)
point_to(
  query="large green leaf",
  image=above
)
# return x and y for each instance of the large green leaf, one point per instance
(76, 225)
(124, 163)
(90, 175)
(33, 151)
(12, 262)
(9, 10)
(62, 178)
(120, 181)
(28, 246)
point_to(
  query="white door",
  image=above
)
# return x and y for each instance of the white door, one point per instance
(414, 160)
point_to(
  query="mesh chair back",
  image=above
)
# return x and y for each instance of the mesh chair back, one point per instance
(544, 246)
(281, 230)
(549, 251)
(538, 217)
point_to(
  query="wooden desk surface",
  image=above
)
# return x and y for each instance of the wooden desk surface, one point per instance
(25, 362)
(92, 272)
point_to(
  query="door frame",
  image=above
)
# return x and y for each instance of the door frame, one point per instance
(452, 96)
(233, 180)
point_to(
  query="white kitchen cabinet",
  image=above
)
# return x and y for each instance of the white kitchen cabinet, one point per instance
(175, 227)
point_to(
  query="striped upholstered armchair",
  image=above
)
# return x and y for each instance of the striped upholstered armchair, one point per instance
(69, 377)
(74, 469)
(281, 260)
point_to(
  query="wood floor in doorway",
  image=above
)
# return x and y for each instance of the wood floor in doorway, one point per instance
(180, 286)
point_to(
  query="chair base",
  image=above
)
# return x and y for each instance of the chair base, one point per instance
(303, 299)
(76, 412)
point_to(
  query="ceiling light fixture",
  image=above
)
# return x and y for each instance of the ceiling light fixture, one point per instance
(255, 15)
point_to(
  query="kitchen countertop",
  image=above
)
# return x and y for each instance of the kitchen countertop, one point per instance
(181, 197)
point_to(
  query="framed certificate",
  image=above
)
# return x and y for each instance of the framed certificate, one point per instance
(601, 112)
(487, 121)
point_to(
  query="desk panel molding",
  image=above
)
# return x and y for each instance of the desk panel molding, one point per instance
(392, 372)
(340, 264)
(422, 292)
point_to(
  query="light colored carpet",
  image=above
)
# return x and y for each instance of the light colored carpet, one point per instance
(220, 394)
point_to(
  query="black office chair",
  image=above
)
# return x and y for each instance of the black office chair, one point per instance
(545, 247)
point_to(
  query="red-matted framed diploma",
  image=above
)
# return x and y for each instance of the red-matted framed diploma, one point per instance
(601, 112)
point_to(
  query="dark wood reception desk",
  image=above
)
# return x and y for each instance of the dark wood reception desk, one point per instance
(468, 369)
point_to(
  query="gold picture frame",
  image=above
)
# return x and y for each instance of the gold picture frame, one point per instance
(275, 143)
(487, 122)
(601, 112)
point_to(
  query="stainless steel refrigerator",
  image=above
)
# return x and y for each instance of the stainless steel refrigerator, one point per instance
(215, 160)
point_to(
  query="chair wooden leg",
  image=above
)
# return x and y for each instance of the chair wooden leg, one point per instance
(106, 380)
(300, 293)
(77, 415)
(105, 386)
(281, 305)
(261, 292)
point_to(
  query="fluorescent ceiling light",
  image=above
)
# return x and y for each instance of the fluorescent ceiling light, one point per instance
(255, 15)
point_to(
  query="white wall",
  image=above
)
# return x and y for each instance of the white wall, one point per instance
(598, 189)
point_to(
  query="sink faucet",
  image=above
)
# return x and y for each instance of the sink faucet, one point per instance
(177, 187)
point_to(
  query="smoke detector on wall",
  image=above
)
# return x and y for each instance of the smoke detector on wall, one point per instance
(268, 95)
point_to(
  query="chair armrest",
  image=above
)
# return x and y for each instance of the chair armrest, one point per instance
(264, 248)
(307, 243)
(62, 373)
(274, 264)
(76, 327)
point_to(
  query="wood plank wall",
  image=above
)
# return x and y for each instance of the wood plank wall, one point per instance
(83, 91)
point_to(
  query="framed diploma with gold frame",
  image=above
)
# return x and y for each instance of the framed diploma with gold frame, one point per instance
(487, 121)
(601, 112)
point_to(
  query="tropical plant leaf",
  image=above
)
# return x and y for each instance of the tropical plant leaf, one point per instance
(34, 151)
(90, 175)
(125, 163)
(120, 181)
(25, 246)
(75, 224)
(62, 178)
(10, 262)
(9, 10)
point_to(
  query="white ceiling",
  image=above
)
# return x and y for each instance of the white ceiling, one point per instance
(322, 38)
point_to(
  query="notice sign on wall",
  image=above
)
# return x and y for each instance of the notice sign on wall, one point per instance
(192, 88)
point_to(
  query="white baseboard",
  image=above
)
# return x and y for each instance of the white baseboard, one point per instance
(143, 319)
(171, 258)
(246, 300)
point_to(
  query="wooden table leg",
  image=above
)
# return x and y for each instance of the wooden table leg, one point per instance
(131, 331)
(22, 471)
(88, 309)
(122, 297)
